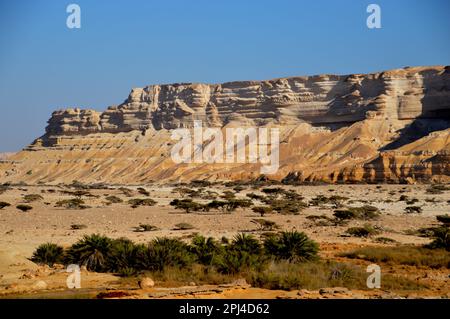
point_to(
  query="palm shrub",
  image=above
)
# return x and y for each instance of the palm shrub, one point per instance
(243, 254)
(205, 249)
(293, 246)
(122, 256)
(164, 252)
(48, 254)
(91, 251)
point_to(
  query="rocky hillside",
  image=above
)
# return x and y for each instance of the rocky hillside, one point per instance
(392, 126)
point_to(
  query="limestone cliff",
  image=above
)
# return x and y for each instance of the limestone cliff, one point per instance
(390, 126)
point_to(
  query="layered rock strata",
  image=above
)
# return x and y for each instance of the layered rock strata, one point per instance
(390, 126)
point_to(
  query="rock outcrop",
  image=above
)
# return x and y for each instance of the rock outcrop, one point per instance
(391, 126)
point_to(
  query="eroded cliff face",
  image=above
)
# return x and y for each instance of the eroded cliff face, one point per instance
(389, 126)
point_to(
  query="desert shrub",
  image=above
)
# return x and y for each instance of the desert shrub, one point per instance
(114, 199)
(403, 198)
(255, 196)
(276, 190)
(365, 212)
(215, 204)
(91, 251)
(24, 208)
(262, 210)
(292, 246)
(228, 195)
(404, 255)
(145, 227)
(205, 249)
(441, 238)
(385, 240)
(73, 203)
(165, 252)
(445, 219)
(412, 201)
(319, 200)
(126, 191)
(29, 198)
(77, 226)
(413, 210)
(188, 205)
(437, 189)
(426, 232)
(143, 191)
(233, 204)
(183, 226)
(135, 202)
(264, 224)
(286, 207)
(292, 195)
(48, 254)
(200, 183)
(365, 231)
(4, 204)
(323, 220)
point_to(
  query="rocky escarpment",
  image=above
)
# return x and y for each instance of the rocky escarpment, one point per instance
(324, 99)
(387, 126)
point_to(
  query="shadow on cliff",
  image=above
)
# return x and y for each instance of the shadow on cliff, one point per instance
(419, 128)
(435, 113)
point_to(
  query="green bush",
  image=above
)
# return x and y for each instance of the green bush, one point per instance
(29, 198)
(48, 254)
(165, 252)
(188, 205)
(243, 254)
(113, 199)
(365, 231)
(122, 257)
(292, 246)
(74, 203)
(205, 249)
(92, 251)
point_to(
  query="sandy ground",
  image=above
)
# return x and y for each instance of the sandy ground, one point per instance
(22, 232)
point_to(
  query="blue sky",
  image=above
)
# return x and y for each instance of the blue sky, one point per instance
(123, 44)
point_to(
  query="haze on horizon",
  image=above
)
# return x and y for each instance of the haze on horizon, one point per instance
(46, 66)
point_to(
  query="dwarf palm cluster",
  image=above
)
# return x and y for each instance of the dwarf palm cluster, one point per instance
(122, 256)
